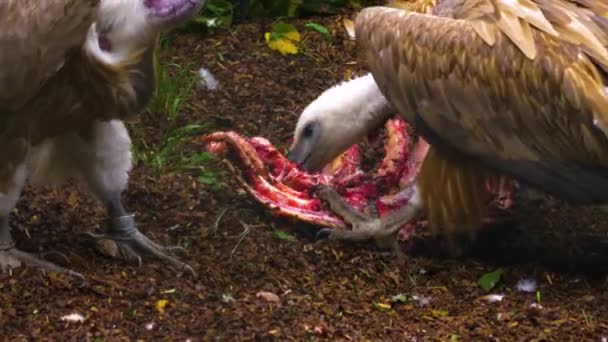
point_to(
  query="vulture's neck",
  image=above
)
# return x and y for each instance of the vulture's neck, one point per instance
(89, 88)
(362, 107)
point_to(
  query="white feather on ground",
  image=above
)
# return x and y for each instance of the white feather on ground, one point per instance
(207, 80)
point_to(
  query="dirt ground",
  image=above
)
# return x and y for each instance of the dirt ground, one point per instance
(326, 291)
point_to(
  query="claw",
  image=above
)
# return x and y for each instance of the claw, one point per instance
(124, 241)
(11, 258)
(63, 256)
(323, 234)
(110, 246)
(371, 209)
(383, 231)
(176, 249)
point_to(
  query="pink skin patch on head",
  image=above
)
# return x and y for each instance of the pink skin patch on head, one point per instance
(104, 43)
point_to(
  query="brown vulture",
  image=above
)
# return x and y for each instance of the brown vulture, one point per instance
(499, 88)
(71, 72)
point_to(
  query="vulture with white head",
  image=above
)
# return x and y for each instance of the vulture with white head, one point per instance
(499, 88)
(71, 72)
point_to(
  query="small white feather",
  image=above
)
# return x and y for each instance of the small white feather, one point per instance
(73, 317)
(493, 298)
(526, 285)
(208, 81)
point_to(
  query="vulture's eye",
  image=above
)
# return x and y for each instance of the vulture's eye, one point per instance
(308, 130)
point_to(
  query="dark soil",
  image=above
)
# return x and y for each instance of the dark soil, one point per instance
(325, 290)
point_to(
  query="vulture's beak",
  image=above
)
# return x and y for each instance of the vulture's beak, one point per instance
(300, 154)
(296, 155)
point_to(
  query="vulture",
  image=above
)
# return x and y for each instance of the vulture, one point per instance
(498, 88)
(71, 73)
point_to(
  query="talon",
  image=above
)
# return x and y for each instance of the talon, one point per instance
(371, 210)
(323, 234)
(63, 256)
(124, 241)
(178, 249)
(324, 191)
(11, 258)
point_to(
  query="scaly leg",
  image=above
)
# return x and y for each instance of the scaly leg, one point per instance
(10, 256)
(104, 158)
(383, 231)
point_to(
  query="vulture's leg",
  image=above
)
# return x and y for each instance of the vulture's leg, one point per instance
(105, 159)
(383, 231)
(10, 256)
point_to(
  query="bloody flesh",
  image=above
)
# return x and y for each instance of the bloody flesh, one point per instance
(287, 191)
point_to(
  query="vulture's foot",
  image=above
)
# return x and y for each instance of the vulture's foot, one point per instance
(124, 241)
(11, 258)
(368, 225)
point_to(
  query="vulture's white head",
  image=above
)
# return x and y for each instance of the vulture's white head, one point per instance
(340, 117)
(123, 27)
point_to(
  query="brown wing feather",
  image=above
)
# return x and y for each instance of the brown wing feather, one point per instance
(507, 104)
(454, 197)
(540, 119)
(421, 6)
(582, 23)
(34, 38)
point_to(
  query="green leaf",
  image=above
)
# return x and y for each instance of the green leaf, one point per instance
(219, 7)
(490, 279)
(439, 313)
(283, 235)
(283, 28)
(207, 177)
(322, 6)
(382, 307)
(321, 29)
(402, 298)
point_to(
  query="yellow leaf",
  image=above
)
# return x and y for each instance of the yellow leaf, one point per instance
(283, 44)
(293, 35)
(160, 305)
(382, 307)
(439, 313)
(348, 74)
(349, 25)
(283, 38)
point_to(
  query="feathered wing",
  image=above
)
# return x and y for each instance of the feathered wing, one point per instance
(35, 36)
(511, 84)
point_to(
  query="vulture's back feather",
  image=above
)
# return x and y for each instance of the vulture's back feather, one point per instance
(516, 85)
(35, 36)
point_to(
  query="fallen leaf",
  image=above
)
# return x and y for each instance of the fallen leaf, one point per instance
(321, 29)
(536, 306)
(283, 38)
(349, 25)
(283, 235)
(284, 46)
(490, 279)
(439, 313)
(382, 307)
(402, 298)
(318, 330)
(227, 298)
(160, 305)
(268, 296)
